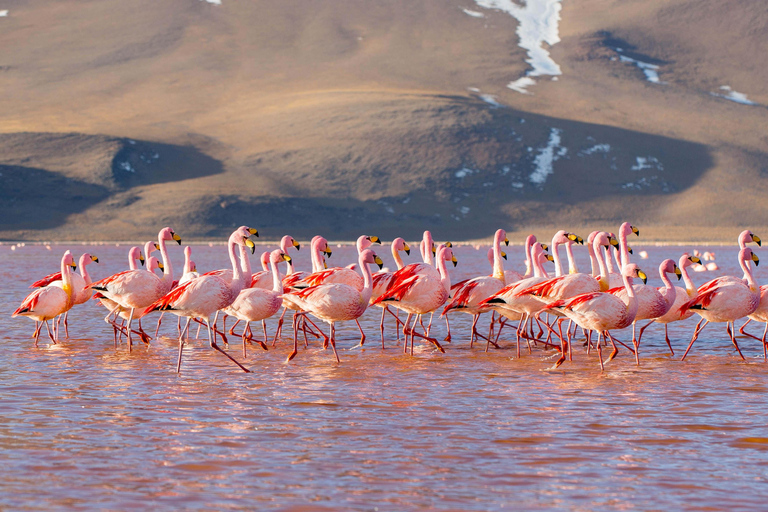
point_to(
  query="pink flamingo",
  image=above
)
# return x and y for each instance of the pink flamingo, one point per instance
(681, 296)
(508, 304)
(419, 288)
(134, 255)
(137, 289)
(50, 301)
(726, 299)
(208, 294)
(652, 303)
(336, 302)
(616, 280)
(381, 282)
(602, 311)
(258, 304)
(468, 297)
(264, 278)
(79, 283)
(189, 272)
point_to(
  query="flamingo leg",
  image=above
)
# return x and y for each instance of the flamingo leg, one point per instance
(264, 327)
(159, 321)
(212, 341)
(615, 350)
(279, 329)
(405, 332)
(333, 341)
(732, 334)
(247, 326)
(429, 325)
(448, 326)
(231, 329)
(181, 344)
(666, 337)
(362, 334)
(765, 348)
(742, 331)
(381, 325)
(66, 324)
(600, 350)
(295, 339)
(48, 328)
(128, 326)
(696, 333)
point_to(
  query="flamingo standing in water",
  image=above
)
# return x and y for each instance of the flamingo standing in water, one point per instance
(49, 302)
(79, 283)
(682, 296)
(419, 288)
(137, 289)
(602, 311)
(258, 304)
(188, 273)
(726, 299)
(336, 302)
(381, 281)
(208, 294)
(468, 297)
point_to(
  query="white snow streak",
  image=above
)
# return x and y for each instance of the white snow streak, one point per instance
(732, 95)
(538, 24)
(651, 71)
(547, 157)
(474, 14)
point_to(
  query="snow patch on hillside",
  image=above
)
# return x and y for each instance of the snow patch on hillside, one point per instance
(547, 156)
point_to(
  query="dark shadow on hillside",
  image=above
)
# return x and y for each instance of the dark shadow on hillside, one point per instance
(33, 198)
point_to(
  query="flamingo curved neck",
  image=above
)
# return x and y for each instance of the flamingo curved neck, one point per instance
(284, 243)
(623, 246)
(238, 278)
(167, 266)
(534, 256)
(572, 268)
(314, 254)
(671, 291)
(187, 261)
(427, 249)
(498, 264)
(596, 271)
(689, 286)
(748, 274)
(631, 299)
(443, 270)
(556, 257)
(84, 269)
(277, 279)
(602, 270)
(396, 256)
(367, 281)
(608, 260)
(66, 279)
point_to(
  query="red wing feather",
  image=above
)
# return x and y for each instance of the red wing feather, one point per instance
(29, 303)
(104, 282)
(166, 302)
(56, 276)
(398, 292)
(461, 297)
(541, 289)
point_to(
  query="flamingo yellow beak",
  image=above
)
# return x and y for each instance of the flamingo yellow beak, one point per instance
(286, 258)
(629, 250)
(378, 261)
(757, 240)
(448, 244)
(157, 246)
(407, 249)
(193, 268)
(253, 231)
(454, 261)
(549, 257)
(325, 265)
(249, 243)
(545, 247)
(374, 240)
(695, 259)
(642, 276)
(506, 241)
(73, 265)
(328, 251)
(160, 265)
(176, 237)
(141, 259)
(94, 259)
(613, 241)
(755, 259)
(297, 245)
(635, 230)
(503, 255)
(678, 273)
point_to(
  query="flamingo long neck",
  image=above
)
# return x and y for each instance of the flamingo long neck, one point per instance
(277, 279)
(631, 299)
(187, 261)
(445, 278)
(556, 257)
(317, 264)
(689, 286)
(66, 280)
(623, 246)
(245, 264)
(238, 278)
(84, 270)
(167, 266)
(671, 290)
(365, 295)
(498, 264)
(528, 244)
(284, 243)
(608, 260)
(535, 257)
(596, 270)
(603, 271)
(427, 252)
(572, 268)
(396, 256)
(748, 274)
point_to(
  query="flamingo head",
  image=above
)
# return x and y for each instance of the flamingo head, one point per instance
(68, 260)
(265, 260)
(153, 264)
(501, 236)
(288, 241)
(669, 266)
(400, 245)
(368, 256)
(279, 255)
(135, 254)
(168, 234)
(628, 228)
(632, 270)
(601, 239)
(87, 259)
(365, 241)
(686, 260)
(747, 236)
(529, 241)
(192, 266)
(747, 255)
(446, 253)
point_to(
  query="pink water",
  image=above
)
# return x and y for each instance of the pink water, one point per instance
(85, 426)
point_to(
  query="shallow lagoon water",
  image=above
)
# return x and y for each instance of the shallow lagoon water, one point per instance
(86, 426)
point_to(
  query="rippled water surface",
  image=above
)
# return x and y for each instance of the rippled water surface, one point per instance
(84, 425)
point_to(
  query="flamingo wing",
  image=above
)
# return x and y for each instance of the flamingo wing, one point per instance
(397, 293)
(56, 276)
(29, 303)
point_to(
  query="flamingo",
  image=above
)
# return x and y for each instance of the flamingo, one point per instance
(726, 299)
(467, 298)
(507, 303)
(137, 289)
(382, 279)
(652, 303)
(420, 288)
(258, 304)
(190, 269)
(264, 279)
(616, 280)
(335, 302)
(79, 283)
(681, 296)
(50, 301)
(602, 311)
(208, 294)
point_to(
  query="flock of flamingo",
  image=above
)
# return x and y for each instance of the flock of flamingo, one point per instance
(602, 302)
